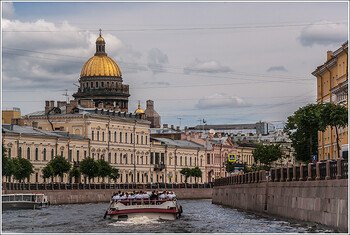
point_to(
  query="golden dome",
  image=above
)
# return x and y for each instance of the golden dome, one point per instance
(100, 65)
(139, 110)
(100, 39)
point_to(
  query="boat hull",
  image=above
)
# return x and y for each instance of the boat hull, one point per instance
(22, 205)
(149, 215)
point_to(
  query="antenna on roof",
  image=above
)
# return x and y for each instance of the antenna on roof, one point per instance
(180, 120)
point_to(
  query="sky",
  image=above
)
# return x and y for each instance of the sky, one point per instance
(224, 62)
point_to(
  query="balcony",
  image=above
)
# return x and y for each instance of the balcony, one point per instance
(159, 167)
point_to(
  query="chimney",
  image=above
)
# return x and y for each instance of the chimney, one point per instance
(172, 127)
(61, 104)
(48, 106)
(329, 55)
(52, 103)
(177, 128)
(165, 125)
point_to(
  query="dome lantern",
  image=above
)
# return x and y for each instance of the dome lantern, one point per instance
(100, 45)
(139, 110)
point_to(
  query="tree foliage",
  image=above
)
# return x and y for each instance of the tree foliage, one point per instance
(23, 168)
(48, 172)
(7, 164)
(186, 172)
(105, 169)
(114, 174)
(76, 173)
(89, 167)
(266, 154)
(60, 166)
(335, 116)
(230, 166)
(302, 128)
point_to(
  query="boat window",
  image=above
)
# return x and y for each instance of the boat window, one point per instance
(26, 197)
(5, 198)
(18, 197)
(12, 198)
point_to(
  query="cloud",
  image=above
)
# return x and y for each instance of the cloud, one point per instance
(157, 83)
(206, 67)
(277, 69)
(220, 101)
(156, 60)
(323, 33)
(8, 10)
(46, 60)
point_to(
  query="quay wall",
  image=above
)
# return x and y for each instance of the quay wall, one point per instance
(322, 201)
(103, 195)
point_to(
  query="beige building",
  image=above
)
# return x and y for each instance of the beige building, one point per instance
(332, 86)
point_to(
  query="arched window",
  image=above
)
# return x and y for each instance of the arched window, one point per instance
(115, 136)
(103, 136)
(115, 158)
(141, 139)
(52, 153)
(28, 153)
(98, 135)
(36, 154)
(44, 154)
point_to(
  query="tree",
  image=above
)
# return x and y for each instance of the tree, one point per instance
(335, 116)
(48, 172)
(196, 172)
(114, 174)
(89, 167)
(60, 166)
(302, 128)
(266, 154)
(186, 172)
(105, 169)
(75, 172)
(23, 168)
(7, 164)
(230, 166)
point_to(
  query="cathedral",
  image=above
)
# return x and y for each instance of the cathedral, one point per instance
(101, 81)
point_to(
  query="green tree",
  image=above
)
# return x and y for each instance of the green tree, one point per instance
(60, 166)
(89, 167)
(186, 172)
(23, 168)
(114, 174)
(48, 172)
(7, 164)
(196, 172)
(76, 173)
(105, 169)
(335, 116)
(230, 166)
(302, 128)
(266, 154)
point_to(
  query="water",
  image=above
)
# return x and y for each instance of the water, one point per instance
(200, 216)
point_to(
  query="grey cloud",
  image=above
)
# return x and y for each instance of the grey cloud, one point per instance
(326, 34)
(277, 69)
(220, 101)
(206, 67)
(7, 10)
(157, 83)
(156, 60)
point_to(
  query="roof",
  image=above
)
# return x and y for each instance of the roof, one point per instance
(179, 143)
(164, 131)
(91, 112)
(225, 126)
(31, 131)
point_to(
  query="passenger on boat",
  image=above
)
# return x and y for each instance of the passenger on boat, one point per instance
(138, 195)
(131, 196)
(124, 196)
(145, 196)
(163, 196)
(171, 196)
(116, 198)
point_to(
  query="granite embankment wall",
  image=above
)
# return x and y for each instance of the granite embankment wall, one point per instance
(104, 195)
(313, 193)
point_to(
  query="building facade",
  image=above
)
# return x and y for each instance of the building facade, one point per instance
(332, 87)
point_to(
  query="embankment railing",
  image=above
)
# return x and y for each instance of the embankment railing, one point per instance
(331, 169)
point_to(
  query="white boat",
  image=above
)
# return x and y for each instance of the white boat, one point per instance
(167, 209)
(24, 201)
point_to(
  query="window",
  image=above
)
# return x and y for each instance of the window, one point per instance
(109, 135)
(98, 135)
(93, 156)
(162, 158)
(141, 139)
(146, 139)
(208, 158)
(77, 155)
(126, 137)
(175, 160)
(96, 84)
(52, 153)
(137, 139)
(201, 161)
(109, 158)
(181, 163)
(36, 154)
(126, 158)
(36, 177)
(131, 141)
(120, 137)
(70, 155)
(84, 154)
(103, 136)
(132, 159)
(9, 152)
(185, 161)
(44, 154)
(146, 160)
(138, 157)
(92, 84)
(92, 135)
(152, 159)
(121, 158)
(20, 152)
(115, 158)
(156, 158)
(190, 161)
(102, 84)
(115, 136)
(28, 153)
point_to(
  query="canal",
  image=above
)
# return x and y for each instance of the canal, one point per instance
(200, 216)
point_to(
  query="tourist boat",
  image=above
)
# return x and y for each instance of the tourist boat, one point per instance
(24, 201)
(166, 209)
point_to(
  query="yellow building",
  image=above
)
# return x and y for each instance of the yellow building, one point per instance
(332, 86)
(8, 115)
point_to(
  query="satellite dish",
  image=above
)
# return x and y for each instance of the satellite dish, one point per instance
(212, 131)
